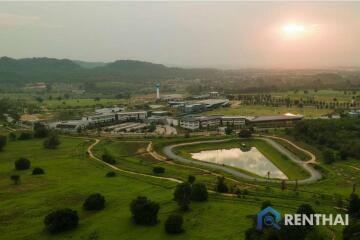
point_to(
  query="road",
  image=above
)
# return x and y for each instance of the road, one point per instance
(314, 175)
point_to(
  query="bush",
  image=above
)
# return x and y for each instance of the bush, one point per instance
(221, 186)
(191, 179)
(199, 192)
(158, 170)
(15, 178)
(182, 195)
(329, 156)
(38, 171)
(266, 204)
(144, 211)
(12, 136)
(25, 136)
(40, 131)
(352, 231)
(52, 142)
(22, 164)
(245, 133)
(95, 201)
(3, 140)
(174, 223)
(108, 158)
(111, 174)
(61, 220)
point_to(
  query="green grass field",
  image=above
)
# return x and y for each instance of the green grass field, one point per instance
(71, 176)
(257, 110)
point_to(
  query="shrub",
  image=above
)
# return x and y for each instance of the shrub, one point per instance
(245, 133)
(158, 170)
(95, 201)
(12, 136)
(15, 178)
(52, 142)
(40, 131)
(191, 179)
(329, 156)
(199, 192)
(108, 158)
(25, 136)
(354, 205)
(352, 232)
(22, 164)
(3, 140)
(182, 195)
(221, 186)
(144, 211)
(38, 171)
(61, 220)
(111, 174)
(174, 223)
(266, 204)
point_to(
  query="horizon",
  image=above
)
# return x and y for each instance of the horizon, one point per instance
(284, 35)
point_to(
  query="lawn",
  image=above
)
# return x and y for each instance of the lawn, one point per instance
(257, 110)
(71, 176)
(289, 168)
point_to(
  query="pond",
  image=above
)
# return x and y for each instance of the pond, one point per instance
(252, 161)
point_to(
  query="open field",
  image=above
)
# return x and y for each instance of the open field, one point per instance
(257, 110)
(326, 95)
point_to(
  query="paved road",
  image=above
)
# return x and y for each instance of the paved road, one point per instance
(314, 175)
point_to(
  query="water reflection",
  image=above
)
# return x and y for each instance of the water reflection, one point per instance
(251, 161)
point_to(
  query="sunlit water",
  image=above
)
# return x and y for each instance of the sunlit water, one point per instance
(252, 161)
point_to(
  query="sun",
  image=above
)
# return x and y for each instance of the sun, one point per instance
(293, 29)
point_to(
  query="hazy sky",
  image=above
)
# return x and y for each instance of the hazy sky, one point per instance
(231, 34)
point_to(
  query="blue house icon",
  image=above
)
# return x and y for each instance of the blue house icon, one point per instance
(268, 217)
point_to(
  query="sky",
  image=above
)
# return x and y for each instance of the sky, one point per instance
(190, 34)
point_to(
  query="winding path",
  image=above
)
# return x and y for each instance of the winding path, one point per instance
(89, 151)
(314, 175)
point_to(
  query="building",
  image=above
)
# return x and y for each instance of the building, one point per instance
(214, 103)
(190, 122)
(172, 97)
(176, 104)
(159, 113)
(214, 94)
(354, 114)
(100, 119)
(109, 110)
(157, 120)
(69, 126)
(157, 91)
(275, 121)
(136, 116)
(235, 121)
(194, 108)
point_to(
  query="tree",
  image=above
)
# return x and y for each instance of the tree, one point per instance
(199, 192)
(12, 136)
(95, 201)
(266, 204)
(329, 156)
(61, 220)
(228, 130)
(283, 185)
(38, 171)
(158, 170)
(354, 205)
(15, 178)
(221, 186)
(25, 136)
(40, 131)
(108, 158)
(52, 142)
(3, 140)
(305, 209)
(174, 223)
(191, 179)
(245, 133)
(144, 211)
(110, 174)
(352, 231)
(22, 164)
(182, 195)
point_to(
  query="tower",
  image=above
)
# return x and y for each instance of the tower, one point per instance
(158, 91)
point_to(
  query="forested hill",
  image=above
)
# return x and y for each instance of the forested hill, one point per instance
(20, 71)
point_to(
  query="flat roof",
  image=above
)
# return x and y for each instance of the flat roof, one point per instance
(276, 118)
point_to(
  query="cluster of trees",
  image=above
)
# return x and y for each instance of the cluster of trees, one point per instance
(65, 219)
(24, 164)
(337, 138)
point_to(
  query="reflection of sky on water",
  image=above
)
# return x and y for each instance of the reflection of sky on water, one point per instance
(252, 161)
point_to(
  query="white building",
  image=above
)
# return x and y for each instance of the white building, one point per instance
(136, 115)
(69, 126)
